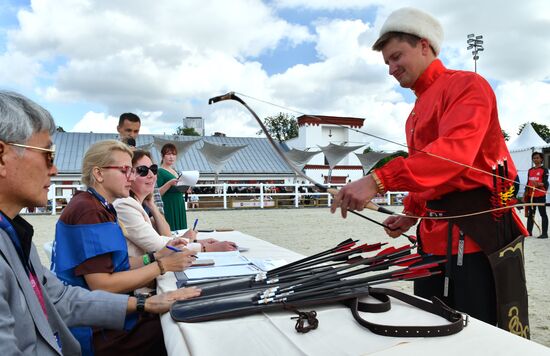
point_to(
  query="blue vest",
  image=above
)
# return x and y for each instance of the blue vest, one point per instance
(75, 244)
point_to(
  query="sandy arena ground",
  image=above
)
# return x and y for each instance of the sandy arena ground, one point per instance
(311, 230)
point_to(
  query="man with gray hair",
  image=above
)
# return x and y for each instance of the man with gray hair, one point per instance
(36, 309)
(458, 164)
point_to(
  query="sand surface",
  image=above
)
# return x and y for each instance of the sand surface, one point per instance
(311, 230)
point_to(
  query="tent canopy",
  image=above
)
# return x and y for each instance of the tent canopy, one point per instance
(181, 146)
(300, 158)
(218, 155)
(528, 139)
(336, 153)
(369, 159)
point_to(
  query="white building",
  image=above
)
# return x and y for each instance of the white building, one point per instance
(318, 131)
(195, 122)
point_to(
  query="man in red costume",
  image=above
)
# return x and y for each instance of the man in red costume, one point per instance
(537, 178)
(456, 152)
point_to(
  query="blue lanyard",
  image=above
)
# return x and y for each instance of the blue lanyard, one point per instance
(10, 230)
(110, 208)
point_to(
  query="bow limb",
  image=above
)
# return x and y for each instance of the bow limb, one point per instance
(276, 147)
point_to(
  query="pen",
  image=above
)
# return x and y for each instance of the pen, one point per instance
(173, 248)
(177, 250)
(195, 224)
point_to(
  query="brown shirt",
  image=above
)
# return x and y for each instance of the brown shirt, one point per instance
(85, 209)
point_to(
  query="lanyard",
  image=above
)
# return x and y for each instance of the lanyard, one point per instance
(110, 208)
(35, 284)
(10, 230)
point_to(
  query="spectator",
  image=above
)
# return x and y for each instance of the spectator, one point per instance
(535, 192)
(174, 204)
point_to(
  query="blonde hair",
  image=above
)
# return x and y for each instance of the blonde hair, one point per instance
(100, 154)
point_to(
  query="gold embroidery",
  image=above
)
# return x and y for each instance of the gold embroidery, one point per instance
(519, 246)
(514, 325)
(506, 196)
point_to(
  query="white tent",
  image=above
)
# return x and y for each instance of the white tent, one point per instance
(218, 155)
(300, 158)
(370, 159)
(521, 149)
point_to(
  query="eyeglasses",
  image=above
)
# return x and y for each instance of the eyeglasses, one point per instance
(143, 171)
(49, 152)
(126, 170)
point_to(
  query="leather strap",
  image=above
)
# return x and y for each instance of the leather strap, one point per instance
(383, 306)
(436, 306)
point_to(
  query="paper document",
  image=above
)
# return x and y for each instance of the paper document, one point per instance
(268, 265)
(230, 258)
(187, 179)
(219, 272)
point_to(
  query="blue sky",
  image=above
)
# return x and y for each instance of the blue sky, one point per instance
(89, 61)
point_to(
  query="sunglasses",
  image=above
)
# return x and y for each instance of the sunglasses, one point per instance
(143, 171)
(48, 152)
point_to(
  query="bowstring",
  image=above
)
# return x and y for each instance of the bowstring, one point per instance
(513, 181)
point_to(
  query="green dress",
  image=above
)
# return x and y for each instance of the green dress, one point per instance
(174, 204)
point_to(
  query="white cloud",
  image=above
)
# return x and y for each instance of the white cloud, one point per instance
(18, 69)
(522, 102)
(96, 122)
(169, 58)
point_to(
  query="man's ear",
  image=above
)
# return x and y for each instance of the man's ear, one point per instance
(2, 158)
(425, 46)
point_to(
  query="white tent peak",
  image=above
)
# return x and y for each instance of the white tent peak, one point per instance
(528, 138)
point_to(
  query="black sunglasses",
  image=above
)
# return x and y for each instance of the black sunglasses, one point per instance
(143, 171)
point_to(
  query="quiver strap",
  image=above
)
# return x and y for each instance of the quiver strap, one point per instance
(436, 306)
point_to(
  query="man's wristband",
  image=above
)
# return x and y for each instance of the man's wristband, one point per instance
(378, 182)
(140, 304)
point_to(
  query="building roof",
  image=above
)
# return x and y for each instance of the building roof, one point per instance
(257, 158)
(317, 120)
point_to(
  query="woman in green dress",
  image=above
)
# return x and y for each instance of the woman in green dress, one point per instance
(174, 204)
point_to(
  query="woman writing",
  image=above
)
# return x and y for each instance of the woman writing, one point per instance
(150, 231)
(90, 251)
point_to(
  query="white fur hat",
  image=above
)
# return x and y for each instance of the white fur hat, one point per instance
(415, 22)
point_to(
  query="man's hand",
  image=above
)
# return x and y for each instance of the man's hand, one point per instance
(398, 225)
(355, 195)
(161, 303)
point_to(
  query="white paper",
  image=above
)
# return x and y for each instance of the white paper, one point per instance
(232, 258)
(268, 264)
(188, 178)
(219, 272)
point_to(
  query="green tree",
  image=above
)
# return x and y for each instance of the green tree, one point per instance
(281, 126)
(367, 150)
(506, 136)
(186, 131)
(542, 130)
(59, 129)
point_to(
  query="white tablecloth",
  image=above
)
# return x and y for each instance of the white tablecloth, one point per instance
(338, 333)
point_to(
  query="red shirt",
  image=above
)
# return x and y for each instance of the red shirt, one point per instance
(536, 176)
(455, 117)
